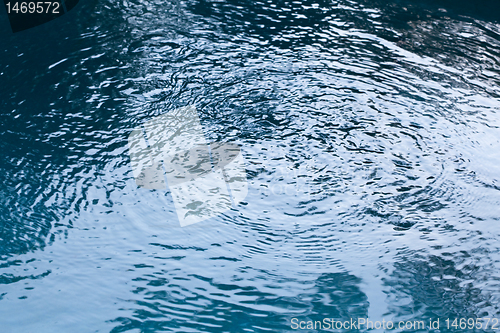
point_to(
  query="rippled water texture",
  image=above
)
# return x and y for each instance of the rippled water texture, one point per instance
(370, 131)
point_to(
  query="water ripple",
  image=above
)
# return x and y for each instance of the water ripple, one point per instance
(370, 134)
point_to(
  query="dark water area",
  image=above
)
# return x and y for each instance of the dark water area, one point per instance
(370, 132)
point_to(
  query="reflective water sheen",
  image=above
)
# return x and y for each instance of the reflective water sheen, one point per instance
(371, 135)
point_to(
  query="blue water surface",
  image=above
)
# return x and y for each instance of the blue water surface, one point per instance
(370, 131)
